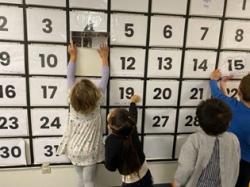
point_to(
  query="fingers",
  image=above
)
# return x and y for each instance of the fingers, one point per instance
(135, 98)
(103, 45)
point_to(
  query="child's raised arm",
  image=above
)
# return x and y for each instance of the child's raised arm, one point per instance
(72, 65)
(217, 92)
(104, 53)
(223, 84)
(133, 108)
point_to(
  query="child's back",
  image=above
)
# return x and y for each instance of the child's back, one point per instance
(82, 140)
(210, 157)
(196, 154)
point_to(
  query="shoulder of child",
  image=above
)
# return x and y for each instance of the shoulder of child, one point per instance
(231, 136)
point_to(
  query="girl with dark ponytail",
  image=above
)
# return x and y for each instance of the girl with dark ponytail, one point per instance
(123, 150)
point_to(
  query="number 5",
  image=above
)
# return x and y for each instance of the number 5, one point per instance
(129, 32)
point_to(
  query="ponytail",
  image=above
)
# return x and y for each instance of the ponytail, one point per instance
(130, 157)
(123, 125)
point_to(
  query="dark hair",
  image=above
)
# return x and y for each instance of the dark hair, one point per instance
(124, 125)
(214, 116)
(245, 88)
(84, 96)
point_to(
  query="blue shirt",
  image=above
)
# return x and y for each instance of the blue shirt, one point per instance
(240, 124)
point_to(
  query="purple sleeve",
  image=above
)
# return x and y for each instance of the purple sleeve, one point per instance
(105, 77)
(71, 74)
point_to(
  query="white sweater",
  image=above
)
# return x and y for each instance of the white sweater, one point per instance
(196, 153)
(82, 141)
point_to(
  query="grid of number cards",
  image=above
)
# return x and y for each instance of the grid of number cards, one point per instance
(162, 50)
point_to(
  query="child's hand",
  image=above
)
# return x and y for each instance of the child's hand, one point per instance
(104, 53)
(135, 99)
(174, 183)
(215, 75)
(72, 50)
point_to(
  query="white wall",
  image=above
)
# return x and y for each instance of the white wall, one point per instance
(65, 176)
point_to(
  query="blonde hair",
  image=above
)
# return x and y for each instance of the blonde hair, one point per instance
(84, 96)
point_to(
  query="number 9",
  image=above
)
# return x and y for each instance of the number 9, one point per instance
(4, 58)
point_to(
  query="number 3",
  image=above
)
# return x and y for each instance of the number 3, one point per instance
(48, 23)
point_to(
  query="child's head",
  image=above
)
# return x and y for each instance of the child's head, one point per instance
(244, 88)
(120, 122)
(123, 125)
(214, 116)
(84, 96)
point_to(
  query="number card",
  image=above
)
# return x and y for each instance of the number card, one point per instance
(188, 121)
(13, 122)
(238, 8)
(47, 59)
(93, 4)
(12, 1)
(234, 63)
(12, 91)
(127, 62)
(164, 63)
(181, 139)
(194, 91)
(88, 21)
(158, 147)
(49, 121)
(167, 31)
(128, 29)
(236, 35)
(203, 32)
(162, 92)
(11, 58)
(46, 25)
(48, 91)
(206, 7)
(88, 62)
(45, 150)
(121, 91)
(130, 5)
(12, 152)
(11, 25)
(169, 7)
(57, 3)
(199, 64)
(160, 120)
